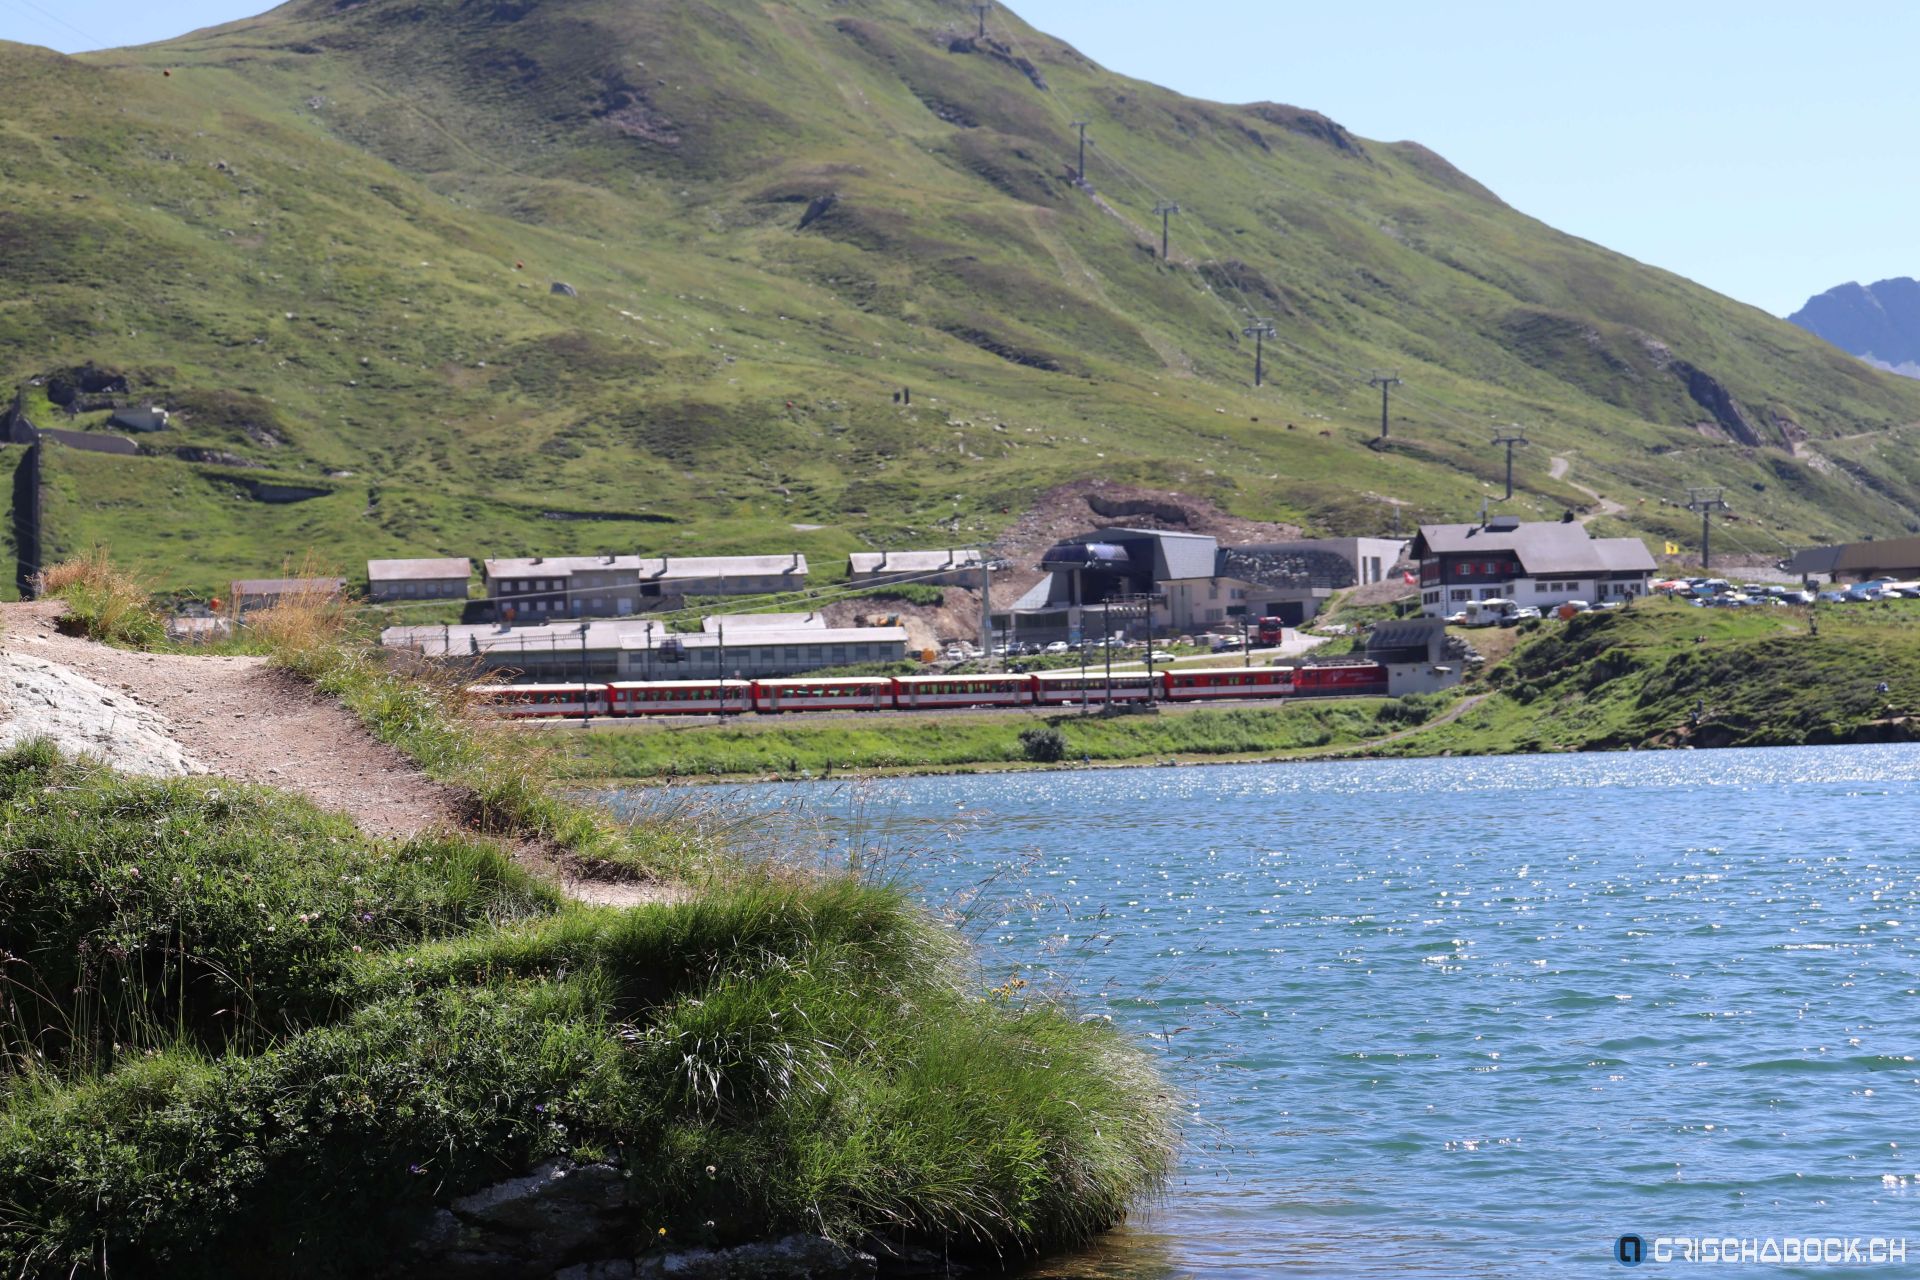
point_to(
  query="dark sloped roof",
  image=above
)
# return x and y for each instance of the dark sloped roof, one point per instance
(1541, 547)
(1893, 553)
(1815, 560)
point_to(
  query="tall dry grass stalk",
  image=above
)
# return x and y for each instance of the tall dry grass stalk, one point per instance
(307, 622)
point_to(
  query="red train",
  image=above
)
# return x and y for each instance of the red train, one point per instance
(921, 693)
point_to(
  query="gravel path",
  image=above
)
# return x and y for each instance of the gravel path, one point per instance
(243, 719)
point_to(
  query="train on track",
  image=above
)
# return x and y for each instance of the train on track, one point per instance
(929, 693)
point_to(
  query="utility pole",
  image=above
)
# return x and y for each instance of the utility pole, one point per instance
(986, 608)
(1706, 502)
(1518, 438)
(1260, 330)
(586, 705)
(1386, 383)
(1106, 644)
(1166, 209)
(1081, 125)
(982, 10)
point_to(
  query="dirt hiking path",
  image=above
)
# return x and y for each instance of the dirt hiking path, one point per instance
(244, 719)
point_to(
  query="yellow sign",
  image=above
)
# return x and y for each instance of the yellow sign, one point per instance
(1673, 548)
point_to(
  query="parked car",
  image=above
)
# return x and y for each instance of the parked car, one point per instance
(1458, 619)
(1525, 613)
(1059, 646)
(1160, 655)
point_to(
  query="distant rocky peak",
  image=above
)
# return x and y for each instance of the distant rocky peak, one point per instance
(1879, 322)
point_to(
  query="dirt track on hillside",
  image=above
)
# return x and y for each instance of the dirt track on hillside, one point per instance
(246, 720)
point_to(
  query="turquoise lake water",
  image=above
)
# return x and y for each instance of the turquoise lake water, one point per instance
(1465, 1017)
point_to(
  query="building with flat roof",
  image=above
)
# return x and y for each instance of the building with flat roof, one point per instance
(955, 567)
(1542, 564)
(642, 649)
(1417, 653)
(537, 588)
(726, 575)
(740, 622)
(437, 579)
(244, 595)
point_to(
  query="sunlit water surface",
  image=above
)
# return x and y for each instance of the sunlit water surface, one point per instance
(1465, 1017)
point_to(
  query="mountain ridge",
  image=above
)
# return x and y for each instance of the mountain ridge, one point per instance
(775, 216)
(1880, 322)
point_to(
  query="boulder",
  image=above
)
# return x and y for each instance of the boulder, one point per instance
(564, 290)
(791, 1258)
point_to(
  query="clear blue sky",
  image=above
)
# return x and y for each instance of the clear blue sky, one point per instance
(1759, 147)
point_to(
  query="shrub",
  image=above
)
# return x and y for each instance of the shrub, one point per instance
(153, 913)
(1043, 746)
(1409, 709)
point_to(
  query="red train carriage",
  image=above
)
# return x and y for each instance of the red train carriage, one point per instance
(1339, 679)
(524, 700)
(680, 697)
(1229, 682)
(911, 692)
(1061, 689)
(852, 693)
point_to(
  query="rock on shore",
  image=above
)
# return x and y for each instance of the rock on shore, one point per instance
(41, 699)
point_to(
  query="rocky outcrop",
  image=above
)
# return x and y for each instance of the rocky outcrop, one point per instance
(1310, 124)
(67, 385)
(1167, 512)
(818, 208)
(1708, 392)
(44, 700)
(1000, 52)
(568, 1221)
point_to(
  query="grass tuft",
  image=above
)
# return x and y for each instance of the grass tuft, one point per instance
(104, 602)
(780, 1053)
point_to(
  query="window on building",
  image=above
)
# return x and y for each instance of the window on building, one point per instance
(1490, 593)
(1461, 595)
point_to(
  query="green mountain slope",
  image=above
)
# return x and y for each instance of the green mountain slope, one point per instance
(326, 237)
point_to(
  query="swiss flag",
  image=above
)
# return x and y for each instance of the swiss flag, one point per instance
(1412, 579)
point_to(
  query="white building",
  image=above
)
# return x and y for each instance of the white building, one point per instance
(956, 566)
(1539, 564)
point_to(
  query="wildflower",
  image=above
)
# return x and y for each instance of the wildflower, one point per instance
(711, 1170)
(416, 1170)
(356, 951)
(663, 1231)
(539, 1108)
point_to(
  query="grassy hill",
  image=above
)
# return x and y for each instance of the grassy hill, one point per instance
(327, 238)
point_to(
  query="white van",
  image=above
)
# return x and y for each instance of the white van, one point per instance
(1489, 613)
